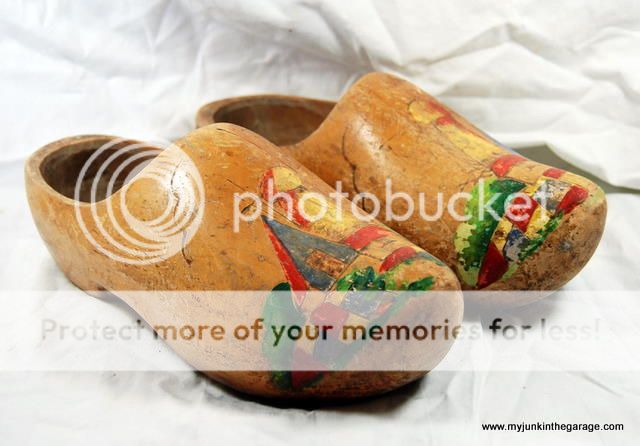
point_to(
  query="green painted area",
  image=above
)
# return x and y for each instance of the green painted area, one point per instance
(362, 279)
(422, 284)
(277, 312)
(400, 299)
(367, 279)
(535, 243)
(357, 345)
(473, 236)
(280, 311)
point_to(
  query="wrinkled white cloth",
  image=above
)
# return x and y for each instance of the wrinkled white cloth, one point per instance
(563, 74)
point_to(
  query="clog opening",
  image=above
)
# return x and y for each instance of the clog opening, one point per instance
(282, 121)
(97, 167)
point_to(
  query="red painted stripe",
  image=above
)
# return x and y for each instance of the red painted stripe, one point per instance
(364, 236)
(295, 212)
(397, 257)
(446, 116)
(502, 165)
(296, 215)
(523, 212)
(572, 198)
(300, 379)
(494, 265)
(296, 280)
(553, 172)
(264, 185)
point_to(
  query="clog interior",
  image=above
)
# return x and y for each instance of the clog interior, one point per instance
(90, 171)
(283, 121)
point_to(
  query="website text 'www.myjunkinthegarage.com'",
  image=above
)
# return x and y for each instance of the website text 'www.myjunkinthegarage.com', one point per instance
(554, 426)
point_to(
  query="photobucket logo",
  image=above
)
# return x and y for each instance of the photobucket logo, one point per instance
(394, 206)
(120, 232)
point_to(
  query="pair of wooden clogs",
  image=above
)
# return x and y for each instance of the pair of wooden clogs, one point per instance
(127, 217)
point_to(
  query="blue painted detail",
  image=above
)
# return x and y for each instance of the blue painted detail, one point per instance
(516, 240)
(427, 256)
(301, 244)
(362, 303)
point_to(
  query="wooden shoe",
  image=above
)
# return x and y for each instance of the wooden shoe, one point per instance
(385, 128)
(132, 219)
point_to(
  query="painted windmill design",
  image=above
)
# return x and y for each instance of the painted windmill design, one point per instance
(340, 256)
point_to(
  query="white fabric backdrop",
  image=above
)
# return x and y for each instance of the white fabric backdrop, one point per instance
(562, 73)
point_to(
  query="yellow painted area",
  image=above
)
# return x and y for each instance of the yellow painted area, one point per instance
(499, 237)
(325, 217)
(421, 112)
(460, 242)
(527, 171)
(475, 146)
(596, 194)
(532, 188)
(416, 269)
(285, 179)
(579, 181)
(463, 233)
(311, 205)
(538, 220)
(334, 224)
(596, 197)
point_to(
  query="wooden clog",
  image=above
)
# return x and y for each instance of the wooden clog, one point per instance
(386, 128)
(90, 235)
